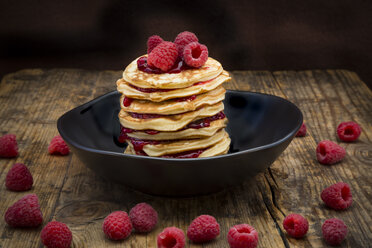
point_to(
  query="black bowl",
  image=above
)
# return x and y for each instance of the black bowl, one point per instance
(260, 126)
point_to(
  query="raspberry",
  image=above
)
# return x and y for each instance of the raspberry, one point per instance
(19, 178)
(56, 235)
(117, 225)
(163, 56)
(24, 213)
(348, 131)
(58, 146)
(152, 42)
(8, 146)
(296, 225)
(144, 218)
(242, 236)
(337, 196)
(302, 131)
(171, 237)
(334, 231)
(203, 228)
(183, 39)
(328, 152)
(195, 54)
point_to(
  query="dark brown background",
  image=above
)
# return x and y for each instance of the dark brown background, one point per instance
(249, 35)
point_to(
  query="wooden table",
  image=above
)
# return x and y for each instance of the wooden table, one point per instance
(32, 100)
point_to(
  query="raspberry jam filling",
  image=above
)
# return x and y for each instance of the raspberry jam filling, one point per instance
(188, 154)
(127, 101)
(178, 66)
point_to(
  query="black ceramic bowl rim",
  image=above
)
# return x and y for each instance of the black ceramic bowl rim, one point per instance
(254, 149)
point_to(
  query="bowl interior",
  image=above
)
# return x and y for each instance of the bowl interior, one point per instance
(255, 120)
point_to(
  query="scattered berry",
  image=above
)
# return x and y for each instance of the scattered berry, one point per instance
(19, 178)
(296, 225)
(195, 54)
(171, 237)
(163, 56)
(56, 235)
(242, 236)
(152, 42)
(334, 231)
(8, 146)
(183, 39)
(144, 218)
(117, 225)
(328, 152)
(24, 213)
(202, 229)
(302, 131)
(58, 146)
(337, 196)
(348, 131)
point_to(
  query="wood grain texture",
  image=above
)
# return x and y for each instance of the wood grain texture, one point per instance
(32, 100)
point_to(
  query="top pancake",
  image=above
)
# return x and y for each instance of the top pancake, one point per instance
(211, 69)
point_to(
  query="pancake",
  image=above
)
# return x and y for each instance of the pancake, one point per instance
(179, 146)
(168, 122)
(211, 69)
(196, 89)
(189, 133)
(221, 147)
(175, 106)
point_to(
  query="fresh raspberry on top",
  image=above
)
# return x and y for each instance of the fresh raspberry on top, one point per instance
(337, 196)
(195, 54)
(334, 231)
(117, 225)
(242, 236)
(202, 229)
(144, 217)
(328, 152)
(163, 56)
(58, 146)
(296, 225)
(183, 39)
(302, 131)
(19, 178)
(56, 235)
(171, 237)
(24, 213)
(348, 131)
(8, 146)
(152, 42)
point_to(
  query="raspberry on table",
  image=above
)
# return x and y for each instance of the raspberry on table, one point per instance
(183, 39)
(242, 236)
(117, 225)
(8, 146)
(144, 217)
(302, 131)
(56, 235)
(337, 196)
(163, 56)
(334, 231)
(348, 131)
(328, 152)
(152, 42)
(195, 54)
(58, 146)
(203, 228)
(19, 178)
(296, 225)
(24, 213)
(171, 237)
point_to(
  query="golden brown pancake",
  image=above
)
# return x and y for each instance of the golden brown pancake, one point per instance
(131, 92)
(211, 69)
(168, 122)
(174, 106)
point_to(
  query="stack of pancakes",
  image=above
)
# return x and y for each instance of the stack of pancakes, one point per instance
(174, 114)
